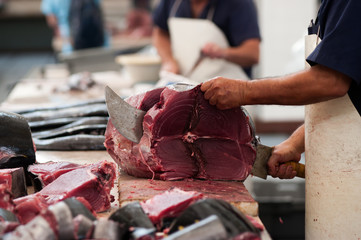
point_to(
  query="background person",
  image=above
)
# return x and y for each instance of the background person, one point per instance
(57, 15)
(330, 136)
(236, 19)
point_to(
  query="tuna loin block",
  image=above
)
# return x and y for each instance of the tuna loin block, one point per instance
(93, 182)
(169, 204)
(48, 172)
(185, 137)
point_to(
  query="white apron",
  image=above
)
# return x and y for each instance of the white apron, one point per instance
(188, 36)
(333, 161)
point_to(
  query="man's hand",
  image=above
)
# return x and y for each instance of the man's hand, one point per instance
(224, 93)
(212, 50)
(283, 153)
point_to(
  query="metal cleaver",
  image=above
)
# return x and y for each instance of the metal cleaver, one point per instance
(262, 156)
(128, 120)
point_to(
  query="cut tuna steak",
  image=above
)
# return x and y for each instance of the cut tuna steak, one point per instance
(185, 137)
(169, 204)
(90, 184)
(48, 172)
(28, 207)
(93, 182)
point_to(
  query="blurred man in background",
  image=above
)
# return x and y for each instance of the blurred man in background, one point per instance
(74, 27)
(235, 19)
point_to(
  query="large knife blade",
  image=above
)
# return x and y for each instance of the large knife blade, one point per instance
(127, 119)
(260, 165)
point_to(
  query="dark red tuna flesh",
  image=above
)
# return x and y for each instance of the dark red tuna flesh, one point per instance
(185, 137)
(28, 207)
(90, 184)
(169, 204)
(48, 172)
(93, 182)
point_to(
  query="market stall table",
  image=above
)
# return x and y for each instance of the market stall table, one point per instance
(35, 93)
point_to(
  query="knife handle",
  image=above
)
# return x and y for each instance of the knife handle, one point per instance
(298, 167)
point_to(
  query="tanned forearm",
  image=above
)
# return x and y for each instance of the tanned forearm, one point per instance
(311, 86)
(245, 55)
(297, 139)
(162, 43)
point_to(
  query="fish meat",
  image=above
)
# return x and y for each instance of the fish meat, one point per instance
(169, 204)
(16, 144)
(73, 142)
(48, 172)
(36, 229)
(6, 227)
(68, 219)
(14, 180)
(92, 182)
(28, 207)
(233, 220)
(132, 215)
(185, 137)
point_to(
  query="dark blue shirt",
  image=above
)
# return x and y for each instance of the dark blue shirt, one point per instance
(236, 18)
(340, 48)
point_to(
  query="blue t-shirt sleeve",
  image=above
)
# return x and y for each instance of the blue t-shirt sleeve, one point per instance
(340, 48)
(161, 14)
(46, 7)
(243, 22)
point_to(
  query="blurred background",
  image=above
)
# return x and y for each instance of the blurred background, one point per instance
(30, 48)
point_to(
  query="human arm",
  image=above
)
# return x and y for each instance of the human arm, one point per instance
(161, 42)
(316, 84)
(47, 8)
(52, 22)
(289, 150)
(245, 55)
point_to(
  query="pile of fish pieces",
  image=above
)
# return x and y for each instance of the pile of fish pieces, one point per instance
(174, 214)
(68, 219)
(79, 126)
(178, 214)
(91, 183)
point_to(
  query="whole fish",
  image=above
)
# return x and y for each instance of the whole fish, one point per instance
(16, 144)
(99, 109)
(74, 142)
